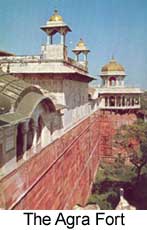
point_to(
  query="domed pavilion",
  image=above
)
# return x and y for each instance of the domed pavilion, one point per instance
(113, 93)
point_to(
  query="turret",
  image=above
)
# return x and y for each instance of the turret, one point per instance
(81, 49)
(113, 74)
(55, 25)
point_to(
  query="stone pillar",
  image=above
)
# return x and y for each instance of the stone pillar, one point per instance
(125, 101)
(85, 57)
(117, 82)
(25, 140)
(62, 39)
(49, 39)
(122, 82)
(108, 101)
(139, 100)
(35, 138)
(115, 101)
(120, 101)
(25, 131)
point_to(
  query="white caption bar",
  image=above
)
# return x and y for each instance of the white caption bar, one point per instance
(85, 219)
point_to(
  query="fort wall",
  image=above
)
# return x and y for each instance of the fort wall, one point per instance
(61, 175)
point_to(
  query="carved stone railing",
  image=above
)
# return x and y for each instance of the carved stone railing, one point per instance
(20, 59)
(76, 64)
(120, 107)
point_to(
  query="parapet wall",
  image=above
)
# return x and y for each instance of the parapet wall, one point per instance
(61, 175)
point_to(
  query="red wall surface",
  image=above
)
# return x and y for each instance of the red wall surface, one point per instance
(61, 175)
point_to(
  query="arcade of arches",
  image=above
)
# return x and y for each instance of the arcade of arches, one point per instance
(121, 101)
(36, 132)
(113, 81)
(29, 136)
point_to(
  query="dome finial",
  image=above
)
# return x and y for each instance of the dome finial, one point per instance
(112, 57)
(56, 17)
(55, 11)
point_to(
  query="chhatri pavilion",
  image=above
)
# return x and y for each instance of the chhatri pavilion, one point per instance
(113, 93)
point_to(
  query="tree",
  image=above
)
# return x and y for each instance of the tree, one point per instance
(133, 139)
(144, 101)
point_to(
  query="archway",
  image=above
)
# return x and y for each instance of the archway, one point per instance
(123, 101)
(112, 81)
(118, 101)
(112, 101)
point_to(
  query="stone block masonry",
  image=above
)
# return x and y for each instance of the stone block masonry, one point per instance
(62, 174)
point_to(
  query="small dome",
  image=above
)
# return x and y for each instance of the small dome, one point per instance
(81, 47)
(56, 17)
(81, 44)
(112, 66)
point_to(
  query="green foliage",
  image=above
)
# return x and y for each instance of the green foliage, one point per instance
(116, 171)
(125, 138)
(103, 200)
(109, 179)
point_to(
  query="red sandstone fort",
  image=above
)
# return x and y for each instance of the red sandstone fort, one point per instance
(54, 126)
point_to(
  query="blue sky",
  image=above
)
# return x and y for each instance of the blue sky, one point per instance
(117, 27)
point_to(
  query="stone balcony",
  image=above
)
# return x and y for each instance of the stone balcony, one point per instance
(119, 90)
(119, 107)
